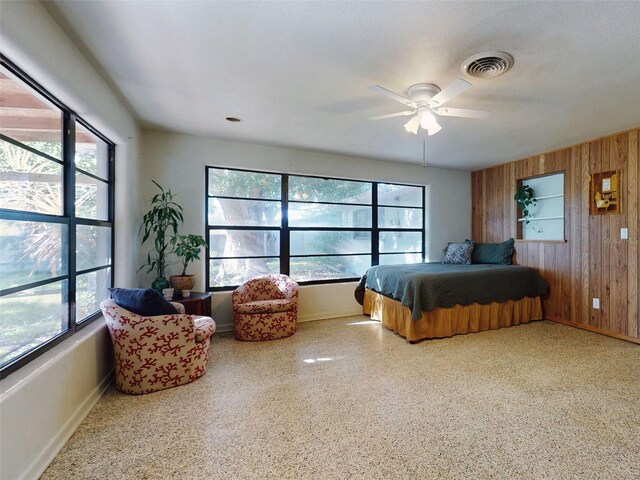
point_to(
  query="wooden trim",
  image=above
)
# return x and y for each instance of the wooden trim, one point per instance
(592, 329)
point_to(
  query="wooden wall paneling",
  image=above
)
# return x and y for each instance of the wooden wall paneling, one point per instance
(493, 203)
(488, 201)
(633, 192)
(507, 200)
(575, 220)
(584, 234)
(539, 165)
(564, 267)
(605, 245)
(500, 217)
(513, 208)
(484, 205)
(476, 205)
(519, 253)
(475, 208)
(502, 212)
(563, 250)
(550, 272)
(595, 237)
(593, 262)
(619, 248)
(498, 207)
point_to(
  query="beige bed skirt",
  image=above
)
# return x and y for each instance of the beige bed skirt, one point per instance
(446, 322)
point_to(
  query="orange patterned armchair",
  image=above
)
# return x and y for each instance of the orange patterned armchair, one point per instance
(265, 308)
(154, 353)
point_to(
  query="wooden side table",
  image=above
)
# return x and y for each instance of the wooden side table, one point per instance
(197, 304)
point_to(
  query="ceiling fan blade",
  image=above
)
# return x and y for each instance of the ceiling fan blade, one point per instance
(461, 112)
(392, 115)
(393, 96)
(453, 90)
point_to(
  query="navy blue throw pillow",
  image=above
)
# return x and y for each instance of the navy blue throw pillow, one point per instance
(142, 301)
(497, 253)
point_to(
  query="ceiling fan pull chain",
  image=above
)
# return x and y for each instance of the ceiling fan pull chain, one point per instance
(424, 157)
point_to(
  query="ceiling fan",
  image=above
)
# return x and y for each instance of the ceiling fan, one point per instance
(426, 99)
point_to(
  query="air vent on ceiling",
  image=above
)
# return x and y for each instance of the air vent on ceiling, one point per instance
(487, 64)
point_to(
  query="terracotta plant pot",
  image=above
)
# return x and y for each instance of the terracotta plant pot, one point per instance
(183, 282)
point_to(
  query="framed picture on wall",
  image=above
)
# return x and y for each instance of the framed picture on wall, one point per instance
(605, 193)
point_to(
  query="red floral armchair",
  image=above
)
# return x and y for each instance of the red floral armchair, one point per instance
(265, 308)
(154, 353)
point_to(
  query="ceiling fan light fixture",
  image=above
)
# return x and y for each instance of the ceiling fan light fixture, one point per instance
(426, 100)
(427, 119)
(433, 129)
(412, 125)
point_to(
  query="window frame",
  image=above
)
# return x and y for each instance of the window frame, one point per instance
(66, 217)
(285, 230)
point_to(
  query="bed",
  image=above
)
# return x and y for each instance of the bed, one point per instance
(434, 300)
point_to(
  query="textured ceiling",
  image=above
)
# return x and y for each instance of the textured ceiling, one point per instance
(297, 72)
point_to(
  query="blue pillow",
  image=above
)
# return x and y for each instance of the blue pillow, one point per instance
(142, 301)
(499, 253)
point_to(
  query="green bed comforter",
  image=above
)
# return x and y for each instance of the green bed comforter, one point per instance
(427, 286)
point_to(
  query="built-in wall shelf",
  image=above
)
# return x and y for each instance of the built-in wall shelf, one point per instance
(546, 216)
(538, 219)
(546, 197)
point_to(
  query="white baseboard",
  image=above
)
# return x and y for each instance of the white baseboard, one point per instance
(228, 327)
(42, 461)
(224, 327)
(327, 315)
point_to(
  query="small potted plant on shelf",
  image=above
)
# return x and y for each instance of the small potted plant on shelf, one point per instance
(525, 197)
(187, 248)
(161, 224)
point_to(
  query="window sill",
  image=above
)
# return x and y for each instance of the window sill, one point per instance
(40, 365)
(519, 240)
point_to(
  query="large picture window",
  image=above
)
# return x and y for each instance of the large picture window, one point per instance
(56, 220)
(314, 229)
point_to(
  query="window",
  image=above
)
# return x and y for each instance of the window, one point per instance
(330, 228)
(400, 218)
(244, 218)
(56, 220)
(314, 229)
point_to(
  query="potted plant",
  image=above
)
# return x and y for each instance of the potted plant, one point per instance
(161, 224)
(187, 248)
(525, 197)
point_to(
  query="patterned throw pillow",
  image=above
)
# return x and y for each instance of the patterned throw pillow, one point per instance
(459, 253)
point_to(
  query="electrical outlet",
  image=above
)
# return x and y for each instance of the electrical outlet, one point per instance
(624, 234)
(596, 303)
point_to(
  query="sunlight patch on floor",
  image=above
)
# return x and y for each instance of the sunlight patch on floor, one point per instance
(365, 322)
(315, 360)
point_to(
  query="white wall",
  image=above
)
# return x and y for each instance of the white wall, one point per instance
(178, 162)
(41, 404)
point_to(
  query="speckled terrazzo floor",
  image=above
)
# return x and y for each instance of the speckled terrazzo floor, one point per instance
(347, 398)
